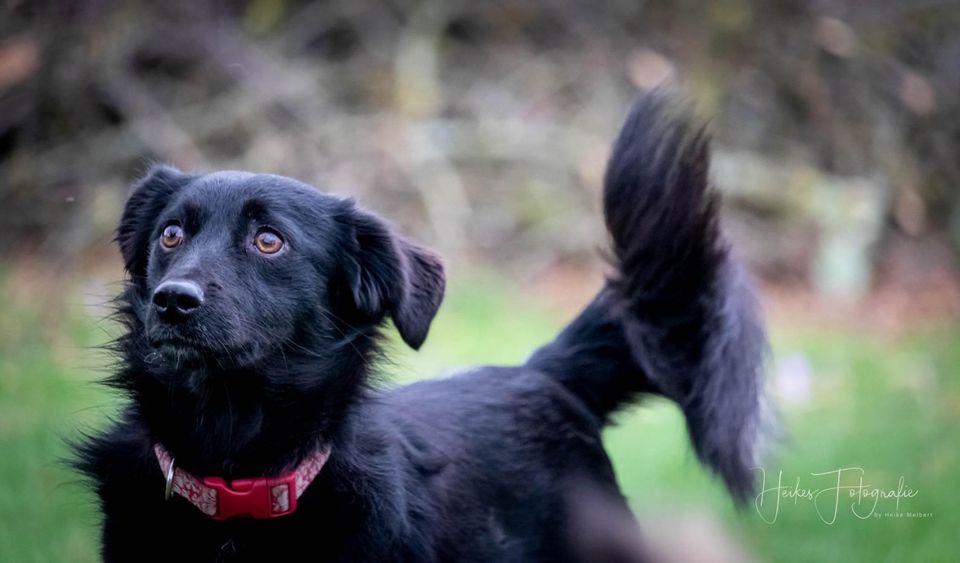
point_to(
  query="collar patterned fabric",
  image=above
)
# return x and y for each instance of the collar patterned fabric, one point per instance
(210, 494)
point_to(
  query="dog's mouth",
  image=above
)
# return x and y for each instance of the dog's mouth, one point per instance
(161, 334)
(184, 349)
(180, 349)
(177, 344)
(181, 341)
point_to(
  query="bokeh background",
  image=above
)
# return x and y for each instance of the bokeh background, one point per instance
(482, 129)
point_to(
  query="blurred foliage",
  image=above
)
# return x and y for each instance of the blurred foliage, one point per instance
(483, 126)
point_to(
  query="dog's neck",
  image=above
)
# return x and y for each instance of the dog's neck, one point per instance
(234, 426)
(226, 432)
(359, 484)
(247, 421)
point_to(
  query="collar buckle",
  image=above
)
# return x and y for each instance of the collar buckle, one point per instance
(261, 497)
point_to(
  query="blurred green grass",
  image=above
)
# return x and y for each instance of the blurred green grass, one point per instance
(889, 406)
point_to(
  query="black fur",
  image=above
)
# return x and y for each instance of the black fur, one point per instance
(492, 465)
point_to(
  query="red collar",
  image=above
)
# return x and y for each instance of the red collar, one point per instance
(262, 497)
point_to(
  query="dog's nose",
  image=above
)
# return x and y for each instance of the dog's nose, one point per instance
(177, 300)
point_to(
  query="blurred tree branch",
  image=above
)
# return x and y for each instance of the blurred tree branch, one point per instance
(488, 123)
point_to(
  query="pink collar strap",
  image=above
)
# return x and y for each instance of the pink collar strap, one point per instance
(262, 497)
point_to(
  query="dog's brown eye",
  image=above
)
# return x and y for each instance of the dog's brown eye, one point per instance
(171, 237)
(268, 242)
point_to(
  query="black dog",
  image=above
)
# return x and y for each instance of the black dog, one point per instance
(254, 311)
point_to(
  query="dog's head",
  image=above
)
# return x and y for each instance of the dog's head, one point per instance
(233, 268)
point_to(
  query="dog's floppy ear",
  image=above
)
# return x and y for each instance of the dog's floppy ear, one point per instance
(389, 275)
(147, 199)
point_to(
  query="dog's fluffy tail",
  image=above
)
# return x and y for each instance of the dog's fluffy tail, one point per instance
(677, 318)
